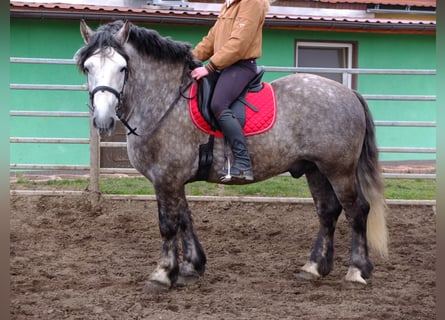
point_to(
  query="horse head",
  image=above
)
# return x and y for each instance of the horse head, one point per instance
(105, 64)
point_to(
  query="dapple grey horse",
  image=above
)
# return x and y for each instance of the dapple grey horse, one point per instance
(323, 131)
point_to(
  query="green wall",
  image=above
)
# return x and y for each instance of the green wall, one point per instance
(404, 52)
(379, 51)
(61, 39)
(47, 39)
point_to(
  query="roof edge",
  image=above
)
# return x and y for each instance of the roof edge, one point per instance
(197, 18)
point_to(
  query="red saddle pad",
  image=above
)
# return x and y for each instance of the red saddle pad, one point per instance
(256, 122)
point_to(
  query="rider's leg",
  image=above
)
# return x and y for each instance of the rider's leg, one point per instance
(231, 83)
(242, 166)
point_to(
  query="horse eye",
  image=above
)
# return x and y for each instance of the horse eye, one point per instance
(85, 69)
(124, 69)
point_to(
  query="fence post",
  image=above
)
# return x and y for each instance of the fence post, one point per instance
(93, 187)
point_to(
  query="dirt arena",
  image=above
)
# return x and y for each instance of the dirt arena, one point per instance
(69, 261)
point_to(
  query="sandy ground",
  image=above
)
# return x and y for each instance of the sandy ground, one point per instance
(70, 261)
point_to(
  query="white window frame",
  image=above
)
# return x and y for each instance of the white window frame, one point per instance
(347, 77)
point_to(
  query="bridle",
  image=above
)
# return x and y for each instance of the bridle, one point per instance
(118, 95)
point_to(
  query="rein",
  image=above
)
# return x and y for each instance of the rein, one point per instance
(182, 89)
(118, 95)
(182, 93)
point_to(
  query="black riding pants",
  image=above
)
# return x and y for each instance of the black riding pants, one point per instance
(231, 82)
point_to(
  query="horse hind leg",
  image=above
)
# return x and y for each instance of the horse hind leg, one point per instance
(356, 210)
(328, 210)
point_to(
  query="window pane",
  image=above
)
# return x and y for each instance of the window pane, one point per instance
(323, 57)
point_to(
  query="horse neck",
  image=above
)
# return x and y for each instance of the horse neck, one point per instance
(152, 87)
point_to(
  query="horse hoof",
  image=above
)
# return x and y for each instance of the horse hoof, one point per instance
(305, 276)
(354, 275)
(160, 275)
(152, 286)
(187, 275)
(186, 280)
(348, 285)
(309, 272)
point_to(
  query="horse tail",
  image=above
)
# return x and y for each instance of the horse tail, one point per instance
(372, 185)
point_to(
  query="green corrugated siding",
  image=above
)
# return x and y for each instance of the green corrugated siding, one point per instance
(61, 39)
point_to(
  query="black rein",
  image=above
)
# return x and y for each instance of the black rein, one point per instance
(182, 93)
(118, 95)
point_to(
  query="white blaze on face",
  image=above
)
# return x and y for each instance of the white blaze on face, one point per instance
(105, 69)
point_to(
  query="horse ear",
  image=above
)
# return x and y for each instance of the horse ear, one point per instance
(123, 33)
(86, 31)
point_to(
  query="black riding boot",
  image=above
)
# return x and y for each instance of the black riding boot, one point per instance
(231, 128)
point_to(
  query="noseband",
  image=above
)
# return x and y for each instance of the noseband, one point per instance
(182, 89)
(118, 95)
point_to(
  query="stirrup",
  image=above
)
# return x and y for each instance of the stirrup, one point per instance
(228, 174)
(226, 177)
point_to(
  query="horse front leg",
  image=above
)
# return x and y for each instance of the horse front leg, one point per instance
(194, 259)
(167, 270)
(174, 221)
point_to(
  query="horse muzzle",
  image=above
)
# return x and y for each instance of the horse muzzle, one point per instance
(104, 125)
(104, 107)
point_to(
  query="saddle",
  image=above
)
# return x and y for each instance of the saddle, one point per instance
(255, 109)
(205, 93)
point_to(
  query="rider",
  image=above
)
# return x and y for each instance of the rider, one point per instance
(232, 46)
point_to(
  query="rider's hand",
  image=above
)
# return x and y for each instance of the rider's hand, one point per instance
(199, 72)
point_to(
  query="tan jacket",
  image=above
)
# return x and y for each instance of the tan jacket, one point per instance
(236, 35)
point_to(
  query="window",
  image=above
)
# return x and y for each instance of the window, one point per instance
(328, 55)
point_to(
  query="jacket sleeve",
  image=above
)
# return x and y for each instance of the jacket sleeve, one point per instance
(245, 28)
(204, 49)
